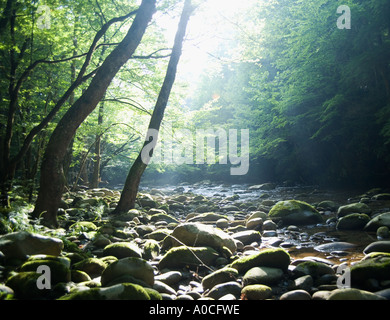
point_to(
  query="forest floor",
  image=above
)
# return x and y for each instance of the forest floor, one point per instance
(201, 241)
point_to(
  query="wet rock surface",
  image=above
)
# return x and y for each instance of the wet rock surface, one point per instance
(205, 242)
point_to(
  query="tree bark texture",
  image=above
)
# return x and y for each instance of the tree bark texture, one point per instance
(52, 176)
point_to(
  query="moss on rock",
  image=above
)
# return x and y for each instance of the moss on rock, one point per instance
(295, 212)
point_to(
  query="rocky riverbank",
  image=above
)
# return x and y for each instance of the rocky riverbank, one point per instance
(204, 242)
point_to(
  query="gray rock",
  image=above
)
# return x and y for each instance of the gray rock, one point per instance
(378, 246)
(163, 288)
(353, 221)
(263, 275)
(188, 256)
(122, 250)
(21, 244)
(223, 289)
(133, 268)
(218, 277)
(353, 294)
(353, 208)
(378, 221)
(248, 236)
(334, 246)
(200, 235)
(304, 283)
(170, 277)
(296, 295)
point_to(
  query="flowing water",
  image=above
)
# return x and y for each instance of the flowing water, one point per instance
(303, 241)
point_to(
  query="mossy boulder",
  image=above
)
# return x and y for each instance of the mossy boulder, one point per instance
(122, 250)
(83, 226)
(353, 294)
(378, 246)
(151, 249)
(256, 292)
(374, 266)
(313, 268)
(183, 256)
(295, 212)
(353, 221)
(353, 208)
(381, 220)
(123, 291)
(123, 270)
(274, 258)
(24, 285)
(201, 235)
(92, 266)
(59, 272)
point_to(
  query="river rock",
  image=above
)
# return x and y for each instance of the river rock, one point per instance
(197, 234)
(220, 290)
(122, 250)
(256, 292)
(334, 246)
(207, 216)
(374, 266)
(163, 217)
(254, 224)
(162, 287)
(218, 277)
(353, 221)
(353, 294)
(21, 244)
(151, 249)
(295, 212)
(182, 256)
(127, 269)
(170, 277)
(247, 236)
(312, 268)
(378, 246)
(92, 266)
(265, 186)
(383, 233)
(381, 197)
(298, 294)
(381, 220)
(353, 208)
(274, 258)
(123, 291)
(59, 271)
(24, 285)
(263, 275)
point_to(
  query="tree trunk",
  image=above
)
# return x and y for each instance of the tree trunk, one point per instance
(52, 179)
(96, 165)
(130, 190)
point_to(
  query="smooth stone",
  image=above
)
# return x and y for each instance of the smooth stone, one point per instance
(248, 236)
(312, 268)
(353, 221)
(200, 235)
(132, 267)
(296, 295)
(304, 283)
(295, 212)
(353, 294)
(163, 288)
(21, 244)
(378, 246)
(353, 208)
(218, 277)
(179, 257)
(223, 289)
(122, 250)
(334, 246)
(170, 277)
(256, 292)
(378, 221)
(263, 275)
(321, 295)
(274, 258)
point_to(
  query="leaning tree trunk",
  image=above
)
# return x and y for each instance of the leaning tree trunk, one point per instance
(52, 177)
(130, 190)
